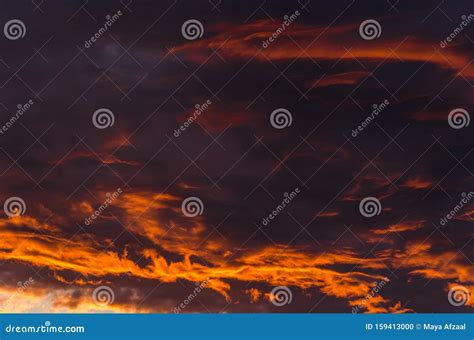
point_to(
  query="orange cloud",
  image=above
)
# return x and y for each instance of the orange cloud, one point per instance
(30, 222)
(418, 183)
(447, 265)
(103, 158)
(221, 263)
(337, 43)
(275, 266)
(329, 214)
(400, 228)
(345, 78)
(254, 294)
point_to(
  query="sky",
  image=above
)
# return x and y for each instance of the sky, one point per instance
(236, 156)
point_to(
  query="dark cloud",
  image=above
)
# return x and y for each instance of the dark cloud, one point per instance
(192, 118)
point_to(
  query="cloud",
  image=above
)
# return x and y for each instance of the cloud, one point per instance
(320, 246)
(345, 78)
(418, 183)
(400, 227)
(339, 42)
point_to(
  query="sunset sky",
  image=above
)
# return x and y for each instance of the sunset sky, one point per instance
(144, 251)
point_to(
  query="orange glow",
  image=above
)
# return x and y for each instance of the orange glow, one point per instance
(272, 265)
